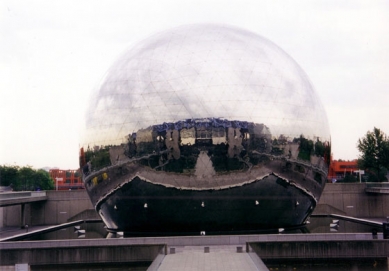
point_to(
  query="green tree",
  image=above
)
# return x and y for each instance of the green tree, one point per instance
(42, 180)
(25, 178)
(349, 178)
(8, 175)
(374, 158)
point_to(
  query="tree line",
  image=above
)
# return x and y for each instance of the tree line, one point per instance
(25, 178)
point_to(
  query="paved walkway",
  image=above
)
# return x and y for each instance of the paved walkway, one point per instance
(223, 258)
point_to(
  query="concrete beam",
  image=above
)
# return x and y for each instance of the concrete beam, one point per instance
(78, 252)
(357, 249)
(22, 216)
(17, 201)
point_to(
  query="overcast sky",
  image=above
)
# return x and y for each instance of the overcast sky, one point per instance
(53, 53)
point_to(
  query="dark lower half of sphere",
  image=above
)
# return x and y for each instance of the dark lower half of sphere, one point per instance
(143, 207)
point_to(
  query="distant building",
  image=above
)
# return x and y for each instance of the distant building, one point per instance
(66, 179)
(339, 169)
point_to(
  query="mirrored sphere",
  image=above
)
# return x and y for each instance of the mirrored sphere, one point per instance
(204, 128)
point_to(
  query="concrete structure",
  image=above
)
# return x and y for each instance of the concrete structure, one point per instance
(59, 207)
(201, 252)
(73, 253)
(63, 206)
(327, 254)
(17, 198)
(353, 200)
(215, 258)
(323, 249)
(167, 252)
(377, 188)
(20, 199)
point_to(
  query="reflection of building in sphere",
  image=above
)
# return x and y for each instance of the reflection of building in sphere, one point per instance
(205, 112)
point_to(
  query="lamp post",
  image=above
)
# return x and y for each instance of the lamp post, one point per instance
(56, 182)
(360, 172)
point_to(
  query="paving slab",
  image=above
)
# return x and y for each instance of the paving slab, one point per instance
(223, 258)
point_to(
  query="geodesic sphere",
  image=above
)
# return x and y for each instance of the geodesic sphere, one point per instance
(204, 71)
(204, 128)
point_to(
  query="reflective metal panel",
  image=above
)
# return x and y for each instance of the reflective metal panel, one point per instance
(205, 107)
(204, 71)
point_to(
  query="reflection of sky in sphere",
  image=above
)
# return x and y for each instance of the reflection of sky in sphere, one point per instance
(201, 71)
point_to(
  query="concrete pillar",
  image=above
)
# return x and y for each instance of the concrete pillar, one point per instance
(1, 217)
(22, 266)
(385, 228)
(22, 216)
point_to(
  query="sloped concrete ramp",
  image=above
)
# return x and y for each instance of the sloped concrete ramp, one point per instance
(223, 258)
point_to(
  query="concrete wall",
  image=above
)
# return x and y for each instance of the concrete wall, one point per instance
(1, 217)
(76, 252)
(59, 207)
(352, 200)
(346, 199)
(356, 249)
(11, 215)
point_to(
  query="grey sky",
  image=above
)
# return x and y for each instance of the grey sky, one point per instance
(52, 54)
